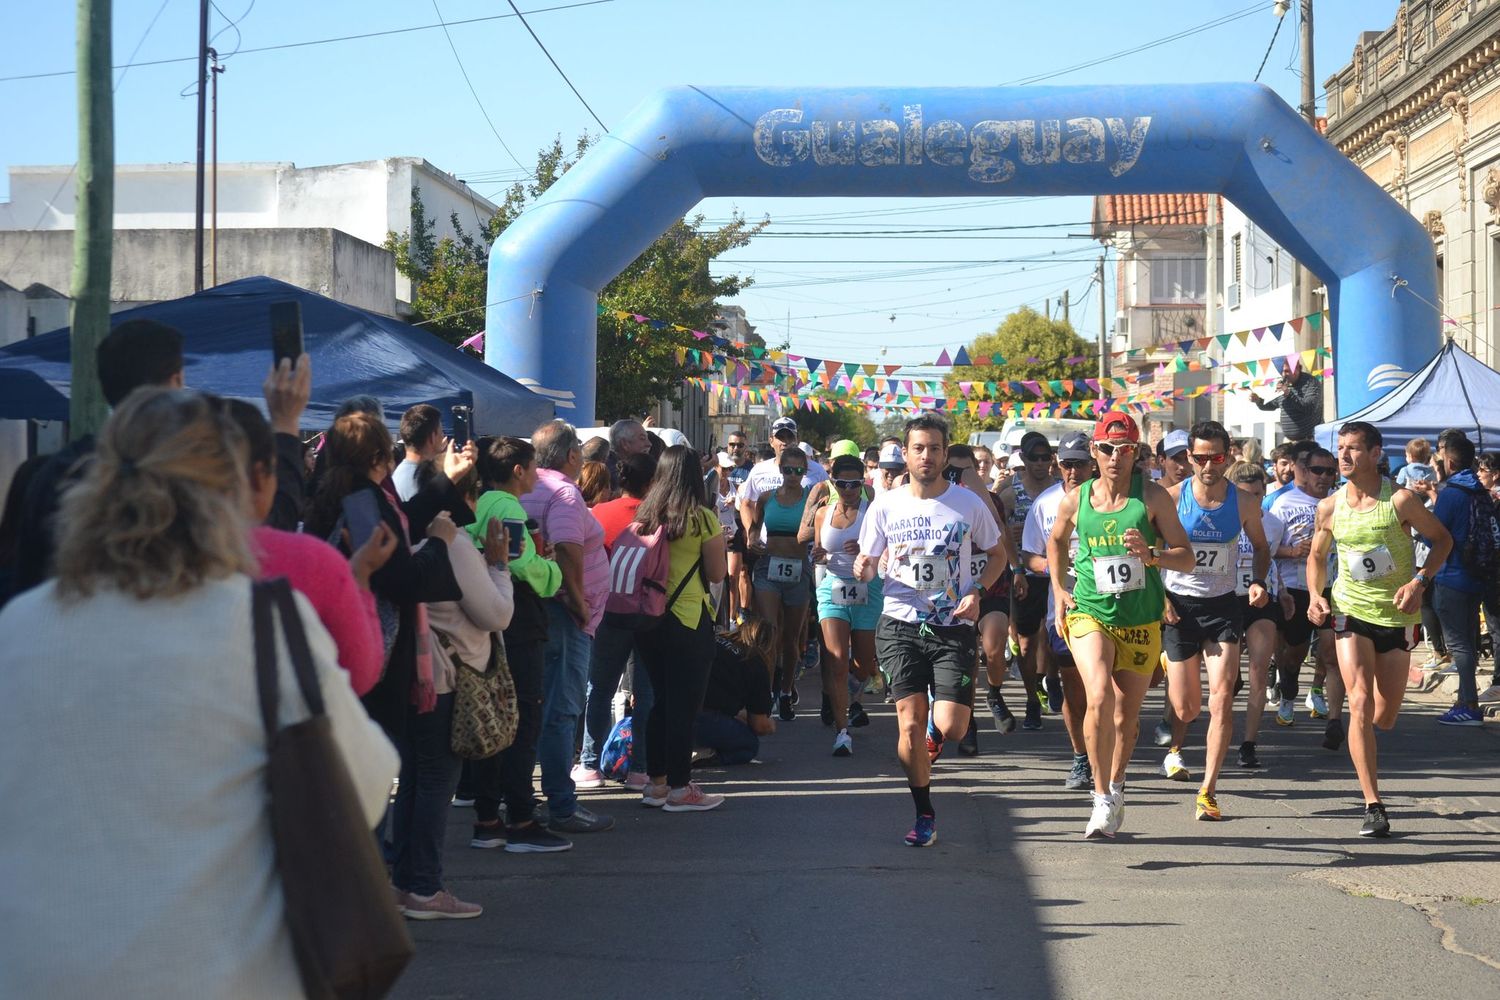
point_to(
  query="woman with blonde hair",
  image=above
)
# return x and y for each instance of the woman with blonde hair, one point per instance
(736, 709)
(129, 691)
(594, 484)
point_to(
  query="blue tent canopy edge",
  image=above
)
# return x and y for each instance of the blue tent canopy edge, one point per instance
(226, 334)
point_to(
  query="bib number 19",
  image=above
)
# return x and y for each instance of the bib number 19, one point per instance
(1119, 574)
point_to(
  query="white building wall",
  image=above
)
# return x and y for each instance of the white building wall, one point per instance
(367, 200)
(1266, 296)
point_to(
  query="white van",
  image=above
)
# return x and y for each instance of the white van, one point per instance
(1008, 438)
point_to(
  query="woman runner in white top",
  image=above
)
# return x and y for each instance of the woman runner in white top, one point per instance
(848, 608)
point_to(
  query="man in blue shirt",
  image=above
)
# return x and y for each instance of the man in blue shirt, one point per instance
(1458, 591)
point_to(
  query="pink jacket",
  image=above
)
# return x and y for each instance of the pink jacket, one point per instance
(321, 574)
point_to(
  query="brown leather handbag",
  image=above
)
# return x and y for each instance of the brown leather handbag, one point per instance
(348, 936)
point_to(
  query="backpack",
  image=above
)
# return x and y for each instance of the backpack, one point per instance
(639, 566)
(614, 759)
(1480, 556)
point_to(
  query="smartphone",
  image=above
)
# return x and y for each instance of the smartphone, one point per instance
(517, 534)
(286, 331)
(460, 426)
(361, 515)
(954, 476)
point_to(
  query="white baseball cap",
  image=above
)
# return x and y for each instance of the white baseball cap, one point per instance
(1016, 461)
(891, 457)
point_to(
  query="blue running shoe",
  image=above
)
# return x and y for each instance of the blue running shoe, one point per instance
(923, 832)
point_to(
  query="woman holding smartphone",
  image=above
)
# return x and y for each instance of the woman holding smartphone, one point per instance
(783, 575)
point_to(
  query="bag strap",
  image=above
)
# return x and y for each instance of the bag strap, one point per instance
(297, 645)
(682, 585)
(266, 679)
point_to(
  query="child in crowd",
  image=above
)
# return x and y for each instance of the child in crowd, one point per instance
(1417, 474)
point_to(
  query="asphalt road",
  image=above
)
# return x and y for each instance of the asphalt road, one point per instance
(799, 886)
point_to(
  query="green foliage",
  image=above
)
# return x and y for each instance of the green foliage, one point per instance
(670, 281)
(1023, 334)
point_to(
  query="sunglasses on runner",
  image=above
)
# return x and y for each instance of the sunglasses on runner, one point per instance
(1218, 459)
(794, 470)
(1322, 470)
(1038, 456)
(1075, 463)
(1106, 449)
(848, 484)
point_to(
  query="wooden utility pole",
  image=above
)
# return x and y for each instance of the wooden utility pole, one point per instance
(94, 217)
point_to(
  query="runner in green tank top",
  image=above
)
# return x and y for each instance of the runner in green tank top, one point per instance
(1112, 619)
(1377, 599)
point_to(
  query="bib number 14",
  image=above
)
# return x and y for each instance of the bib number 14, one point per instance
(849, 593)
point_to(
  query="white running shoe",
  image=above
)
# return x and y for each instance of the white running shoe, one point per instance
(1490, 695)
(1098, 825)
(1116, 813)
(1174, 767)
(1316, 704)
(843, 746)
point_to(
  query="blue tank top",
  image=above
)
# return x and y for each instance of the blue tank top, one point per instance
(1214, 536)
(782, 521)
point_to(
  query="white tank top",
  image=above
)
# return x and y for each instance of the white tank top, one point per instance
(841, 563)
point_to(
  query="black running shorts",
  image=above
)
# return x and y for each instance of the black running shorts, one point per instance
(940, 657)
(1200, 620)
(1298, 630)
(1028, 613)
(1385, 638)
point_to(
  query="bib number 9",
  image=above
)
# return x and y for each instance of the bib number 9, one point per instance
(1119, 574)
(781, 570)
(1366, 567)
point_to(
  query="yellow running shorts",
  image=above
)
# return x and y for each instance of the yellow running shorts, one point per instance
(1137, 647)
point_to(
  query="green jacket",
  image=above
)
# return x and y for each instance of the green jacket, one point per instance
(542, 575)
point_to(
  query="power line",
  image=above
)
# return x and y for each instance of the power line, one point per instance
(556, 66)
(1185, 33)
(475, 93)
(1279, 22)
(317, 41)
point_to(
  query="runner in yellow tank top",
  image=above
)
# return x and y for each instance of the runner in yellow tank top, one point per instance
(1377, 599)
(1112, 621)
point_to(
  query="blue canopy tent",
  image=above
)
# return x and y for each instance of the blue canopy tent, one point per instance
(1452, 390)
(227, 348)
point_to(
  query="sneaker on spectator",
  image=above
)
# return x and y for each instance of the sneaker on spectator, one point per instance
(637, 781)
(1490, 695)
(460, 803)
(1436, 662)
(534, 838)
(488, 836)
(654, 796)
(691, 798)
(1461, 715)
(441, 905)
(582, 821)
(587, 777)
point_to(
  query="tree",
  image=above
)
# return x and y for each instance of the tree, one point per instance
(1023, 334)
(670, 281)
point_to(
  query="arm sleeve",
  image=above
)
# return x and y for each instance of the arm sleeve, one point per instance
(413, 576)
(1270, 404)
(351, 619)
(986, 531)
(286, 508)
(436, 496)
(1033, 538)
(369, 756)
(872, 531)
(481, 602)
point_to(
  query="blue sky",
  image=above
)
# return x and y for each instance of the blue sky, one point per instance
(403, 94)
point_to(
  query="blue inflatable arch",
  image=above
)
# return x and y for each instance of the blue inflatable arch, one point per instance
(690, 143)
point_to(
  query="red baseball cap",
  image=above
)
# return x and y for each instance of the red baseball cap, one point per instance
(1117, 425)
